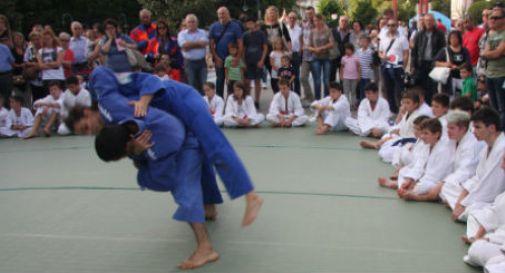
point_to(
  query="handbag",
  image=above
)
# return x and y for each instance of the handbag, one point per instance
(441, 74)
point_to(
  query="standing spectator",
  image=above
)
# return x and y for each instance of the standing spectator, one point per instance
(31, 67)
(5, 31)
(68, 54)
(50, 58)
(365, 55)
(193, 42)
(275, 31)
(18, 51)
(255, 53)
(321, 41)
(494, 54)
(233, 73)
(165, 44)
(427, 44)
(485, 15)
(295, 33)
(80, 46)
(394, 52)
(384, 28)
(356, 33)
(276, 55)
(113, 47)
(307, 56)
(342, 36)
(350, 74)
(143, 32)
(221, 33)
(6, 66)
(481, 63)
(458, 58)
(471, 38)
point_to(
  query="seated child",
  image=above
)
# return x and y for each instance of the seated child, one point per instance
(4, 114)
(428, 171)
(74, 96)
(403, 130)
(48, 110)
(215, 102)
(20, 119)
(373, 114)
(286, 108)
(332, 111)
(405, 160)
(240, 110)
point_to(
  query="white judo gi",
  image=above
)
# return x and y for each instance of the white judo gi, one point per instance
(428, 169)
(336, 117)
(246, 109)
(289, 107)
(466, 158)
(25, 118)
(492, 218)
(4, 130)
(69, 100)
(369, 118)
(216, 108)
(406, 130)
(37, 105)
(489, 180)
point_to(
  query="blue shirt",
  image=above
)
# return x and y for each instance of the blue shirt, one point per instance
(186, 36)
(117, 60)
(233, 34)
(6, 59)
(80, 48)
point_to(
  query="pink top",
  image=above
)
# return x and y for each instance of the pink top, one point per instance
(351, 67)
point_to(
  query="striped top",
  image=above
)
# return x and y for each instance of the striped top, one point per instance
(365, 60)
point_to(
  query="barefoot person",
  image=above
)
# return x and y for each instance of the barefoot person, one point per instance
(286, 108)
(332, 111)
(186, 104)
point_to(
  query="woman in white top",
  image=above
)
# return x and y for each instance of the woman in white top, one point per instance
(50, 58)
(240, 110)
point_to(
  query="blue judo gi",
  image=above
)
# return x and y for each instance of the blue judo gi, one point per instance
(173, 163)
(186, 104)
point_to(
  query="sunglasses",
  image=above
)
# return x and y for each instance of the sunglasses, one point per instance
(496, 17)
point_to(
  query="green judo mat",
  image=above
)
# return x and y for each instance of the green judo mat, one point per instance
(63, 210)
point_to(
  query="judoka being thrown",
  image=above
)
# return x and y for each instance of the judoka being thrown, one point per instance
(186, 105)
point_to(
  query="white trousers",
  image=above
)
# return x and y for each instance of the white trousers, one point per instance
(481, 251)
(228, 121)
(299, 121)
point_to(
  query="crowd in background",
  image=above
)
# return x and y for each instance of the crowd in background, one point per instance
(422, 91)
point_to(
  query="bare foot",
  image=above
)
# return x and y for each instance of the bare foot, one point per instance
(47, 132)
(210, 212)
(253, 206)
(368, 144)
(383, 182)
(467, 240)
(199, 258)
(30, 136)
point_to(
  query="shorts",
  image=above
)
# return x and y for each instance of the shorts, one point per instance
(252, 72)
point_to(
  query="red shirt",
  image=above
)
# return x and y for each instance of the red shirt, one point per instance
(68, 56)
(471, 43)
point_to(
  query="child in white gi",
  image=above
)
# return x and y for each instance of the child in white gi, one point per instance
(215, 102)
(20, 119)
(332, 111)
(286, 108)
(48, 110)
(72, 97)
(240, 110)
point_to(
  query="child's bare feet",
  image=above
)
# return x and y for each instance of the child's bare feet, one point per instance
(253, 206)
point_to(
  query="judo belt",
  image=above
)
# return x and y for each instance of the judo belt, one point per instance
(404, 141)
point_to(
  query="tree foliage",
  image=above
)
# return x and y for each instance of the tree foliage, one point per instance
(475, 10)
(59, 13)
(364, 12)
(175, 10)
(328, 8)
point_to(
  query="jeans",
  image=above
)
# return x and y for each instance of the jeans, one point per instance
(196, 73)
(321, 67)
(393, 81)
(361, 88)
(497, 96)
(296, 62)
(220, 82)
(425, 81)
